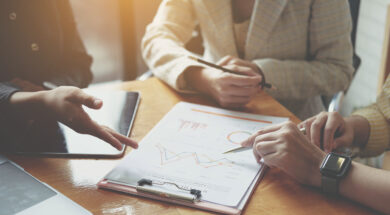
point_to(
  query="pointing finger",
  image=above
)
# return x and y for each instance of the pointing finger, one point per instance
(123, 139)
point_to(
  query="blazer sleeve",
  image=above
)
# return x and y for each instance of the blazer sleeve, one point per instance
(6, 90)
(75, 69)
(170, 30)
(378, 116)
(328, 68)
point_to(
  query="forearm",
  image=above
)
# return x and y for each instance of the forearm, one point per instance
(27, 104)
(168, 60)
(163, 43)
(368, 186)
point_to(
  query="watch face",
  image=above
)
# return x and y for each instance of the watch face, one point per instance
(334, 165)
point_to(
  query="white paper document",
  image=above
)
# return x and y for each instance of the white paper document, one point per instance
(186, 148)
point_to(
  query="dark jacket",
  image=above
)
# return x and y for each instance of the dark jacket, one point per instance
(39, 42)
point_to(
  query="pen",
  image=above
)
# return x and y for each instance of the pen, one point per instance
(242, 148)
(263, 83)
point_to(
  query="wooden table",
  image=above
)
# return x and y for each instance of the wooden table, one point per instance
(76, 178)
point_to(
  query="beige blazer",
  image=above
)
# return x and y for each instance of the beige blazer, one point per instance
(303, 46)
(378, 116)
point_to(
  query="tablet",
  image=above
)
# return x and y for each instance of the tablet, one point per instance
(48, 137)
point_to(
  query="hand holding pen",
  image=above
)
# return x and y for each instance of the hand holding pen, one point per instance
(232, 82)
(247, 144)
(237, 61)
(286, 147)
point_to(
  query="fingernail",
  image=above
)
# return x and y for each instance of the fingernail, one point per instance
(119, 147)
(97, 102)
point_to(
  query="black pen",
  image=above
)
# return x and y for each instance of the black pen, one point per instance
(263, 83)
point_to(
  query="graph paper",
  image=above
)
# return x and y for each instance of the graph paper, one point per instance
(186, 147)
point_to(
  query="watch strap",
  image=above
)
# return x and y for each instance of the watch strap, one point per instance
(330, 185)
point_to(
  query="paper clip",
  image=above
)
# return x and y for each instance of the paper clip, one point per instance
(193, 195)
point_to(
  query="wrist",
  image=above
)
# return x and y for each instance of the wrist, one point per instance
(316, 175)
(26, 98)
(333, 169)
(360, 128)
(198, 78)
(27, 103)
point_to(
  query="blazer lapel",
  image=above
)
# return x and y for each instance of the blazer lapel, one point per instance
(221, 19)
(265, 15)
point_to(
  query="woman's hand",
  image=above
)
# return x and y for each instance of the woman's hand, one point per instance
(285, 147)
(229, 90)
(65, 105)
(328, 131)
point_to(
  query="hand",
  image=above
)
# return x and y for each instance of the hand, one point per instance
(328, 131)
(246, 67)
(285, 147)
(65, 105)
(229, 90)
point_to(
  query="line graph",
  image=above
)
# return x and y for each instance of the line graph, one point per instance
(169, 157)
(186, 147)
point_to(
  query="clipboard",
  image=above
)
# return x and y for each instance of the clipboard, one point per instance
(207, 206)
(181, 160)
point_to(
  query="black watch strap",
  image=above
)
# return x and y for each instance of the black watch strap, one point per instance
(330, 185)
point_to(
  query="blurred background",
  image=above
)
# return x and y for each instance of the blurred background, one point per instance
(112, 32)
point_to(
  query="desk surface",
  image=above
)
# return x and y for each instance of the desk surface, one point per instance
(77, 178)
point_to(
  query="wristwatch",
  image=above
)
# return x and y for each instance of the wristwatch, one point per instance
(333, 168)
